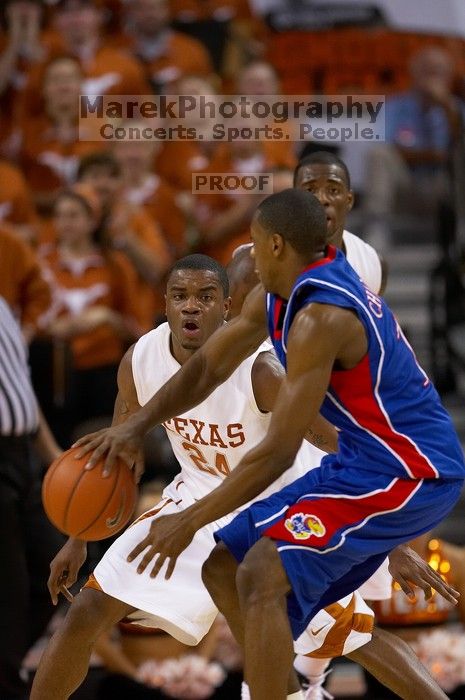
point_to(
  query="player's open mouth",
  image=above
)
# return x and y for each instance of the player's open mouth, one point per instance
(191, 328)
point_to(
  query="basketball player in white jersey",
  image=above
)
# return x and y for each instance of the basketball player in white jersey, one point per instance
(327, 177)
(208, 442)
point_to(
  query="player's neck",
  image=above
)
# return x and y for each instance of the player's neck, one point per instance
(337, 240)
(285, 282)
(180, 354)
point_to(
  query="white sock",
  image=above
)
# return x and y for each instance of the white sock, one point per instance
(245, 693)
(310, 667)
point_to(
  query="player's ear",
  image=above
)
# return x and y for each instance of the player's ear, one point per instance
(277, 244)
(226, 307)
(350, 200)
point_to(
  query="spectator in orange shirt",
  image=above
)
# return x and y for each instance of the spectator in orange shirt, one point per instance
(167, 54)
(79, 33)
(93, 302)
(178, 160)
(50, 145)
(16, 204)
(142, 186)
(129, 228)
(21, 47)
(22, 283)
(108, 71)
(260, 78)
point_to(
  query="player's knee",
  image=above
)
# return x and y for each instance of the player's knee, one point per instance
(88, 613)
(261, 576)
(212, 568)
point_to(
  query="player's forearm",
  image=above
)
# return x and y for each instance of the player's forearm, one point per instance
(323, 435)
(191, 385)
(45, 442)
(209, 367)
(258, 470)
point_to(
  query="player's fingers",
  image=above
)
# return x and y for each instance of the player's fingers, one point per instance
(98, 449)
(71, 578)
(67, 594)
(110, 461)
(158, 564)
(406, 587)
(139, 468)
(53, 589)
(57, 576)
(170, 567)
(143, 544)
(127, 458)
(84, 439)
(87, 443)
(443, 588)
(146, 559)
(427, 590)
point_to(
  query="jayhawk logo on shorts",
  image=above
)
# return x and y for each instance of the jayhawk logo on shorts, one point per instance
(304, 525)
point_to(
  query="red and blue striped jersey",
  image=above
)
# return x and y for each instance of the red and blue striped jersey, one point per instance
(390, 415)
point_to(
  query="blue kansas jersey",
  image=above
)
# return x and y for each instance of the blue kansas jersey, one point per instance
(390, 416)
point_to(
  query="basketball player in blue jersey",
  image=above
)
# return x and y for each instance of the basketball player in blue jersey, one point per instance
(398, 472)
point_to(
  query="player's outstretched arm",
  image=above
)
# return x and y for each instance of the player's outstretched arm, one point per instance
(297, 406)
(65, 567)
(208, 367)
(323, 328)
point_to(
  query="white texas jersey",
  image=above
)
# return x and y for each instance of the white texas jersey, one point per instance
(364, 259)
(209, 440)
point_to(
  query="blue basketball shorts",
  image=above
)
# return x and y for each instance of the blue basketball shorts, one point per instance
(333, 530)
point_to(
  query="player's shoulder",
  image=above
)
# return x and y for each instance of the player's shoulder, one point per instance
(366, 261)
(125, 367)
(265, 364)
(317, 320)
(355, 243)
(147, 344)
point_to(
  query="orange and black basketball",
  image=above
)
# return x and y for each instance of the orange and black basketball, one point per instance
(82, 503)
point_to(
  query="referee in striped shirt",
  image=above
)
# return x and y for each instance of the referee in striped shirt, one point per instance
(28, 542)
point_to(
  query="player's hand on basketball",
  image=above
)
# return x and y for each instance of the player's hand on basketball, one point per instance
(117, 441)
(168, 537)
(64, 569)
(407, 568)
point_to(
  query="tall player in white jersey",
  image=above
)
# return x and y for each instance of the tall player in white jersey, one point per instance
(326, 176)
(205, 441)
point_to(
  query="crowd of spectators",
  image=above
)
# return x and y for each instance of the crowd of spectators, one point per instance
(89, 229)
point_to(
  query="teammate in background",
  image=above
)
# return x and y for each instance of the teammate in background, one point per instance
(327, 177)
(392, 478)
(208, 441)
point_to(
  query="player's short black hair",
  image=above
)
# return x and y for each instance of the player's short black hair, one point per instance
(323, 158)
(298, 217)
(203, 262)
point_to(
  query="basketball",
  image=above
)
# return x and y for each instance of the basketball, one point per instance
(82, 503)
